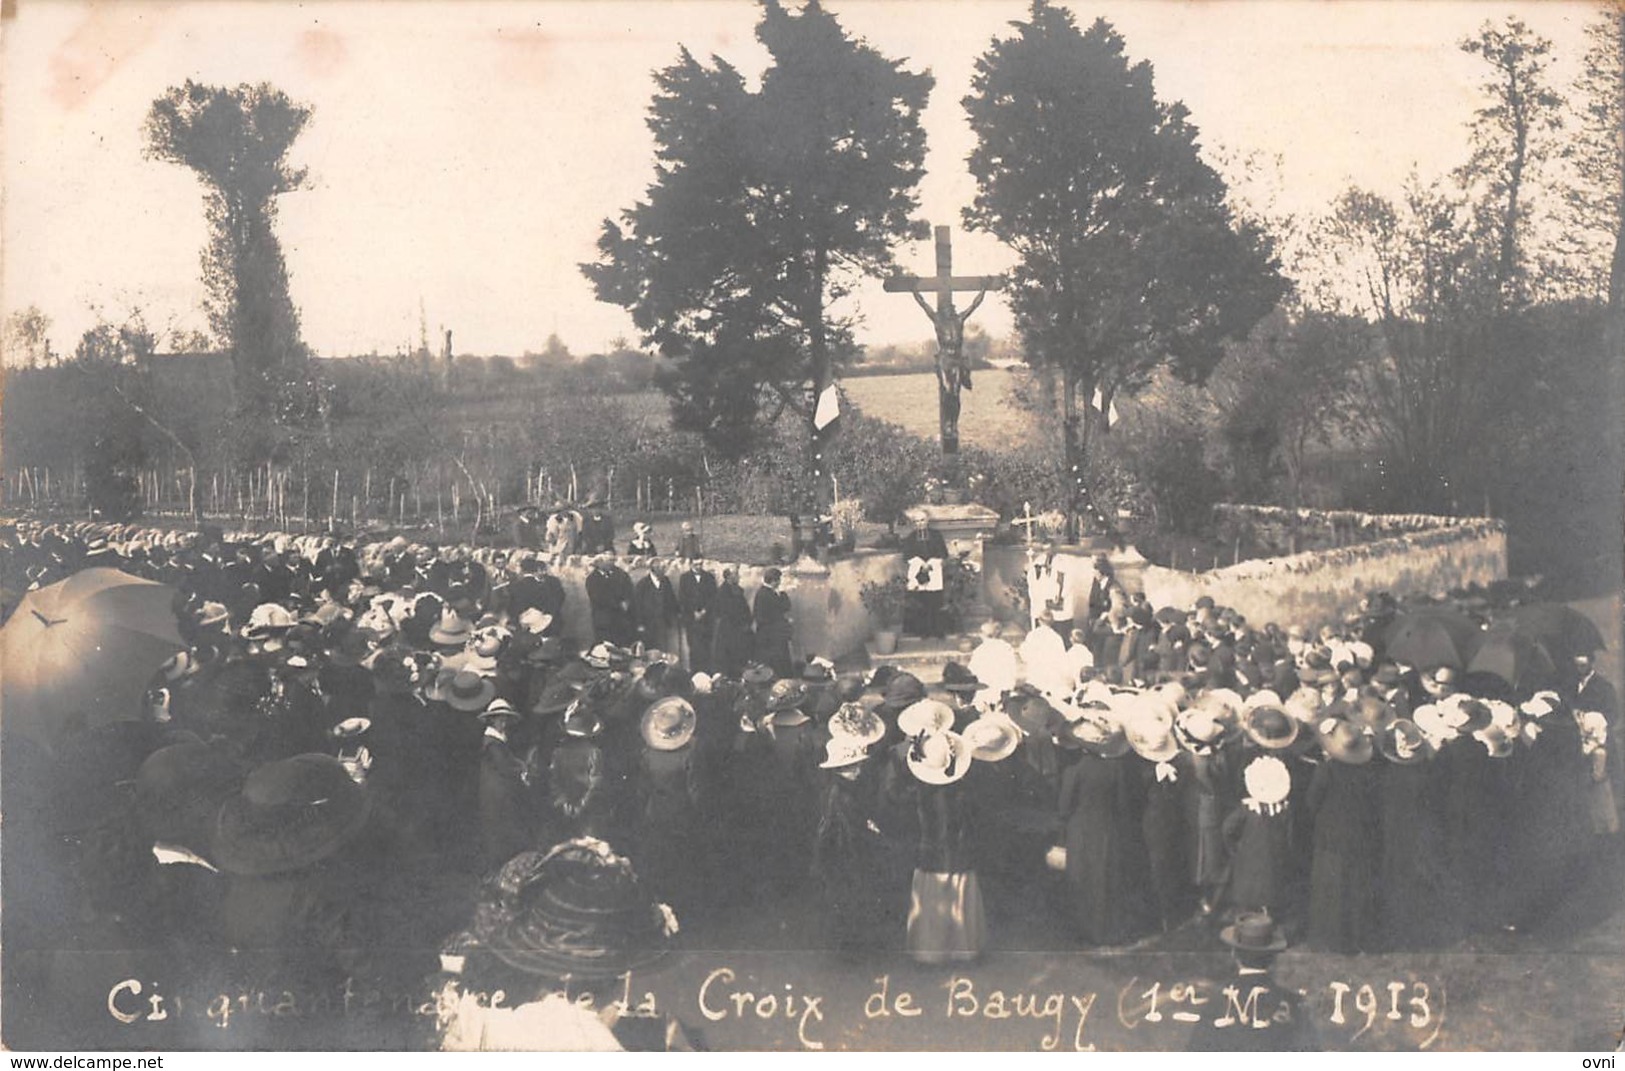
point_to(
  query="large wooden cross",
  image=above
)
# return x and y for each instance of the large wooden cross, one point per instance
(953, 372)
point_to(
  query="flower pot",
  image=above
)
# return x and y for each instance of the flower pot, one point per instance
(953, 496)
(885, 641)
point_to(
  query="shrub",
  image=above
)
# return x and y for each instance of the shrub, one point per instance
(884, 600)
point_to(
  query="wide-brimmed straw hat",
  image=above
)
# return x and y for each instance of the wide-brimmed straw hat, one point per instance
(1150, 732)
(1270, 727)
(992, 738)
(854, 722)
(1401, 742)
(925, 716)
(289, 814)
(939, 758)
(453, 630)
(1101, 732)
(668, 724)
(841, 750)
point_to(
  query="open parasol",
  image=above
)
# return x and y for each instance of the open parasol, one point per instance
(80, 653)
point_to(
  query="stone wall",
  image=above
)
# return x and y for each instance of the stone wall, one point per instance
(1318, 586)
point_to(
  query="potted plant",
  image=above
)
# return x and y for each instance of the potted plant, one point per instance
(884, 601)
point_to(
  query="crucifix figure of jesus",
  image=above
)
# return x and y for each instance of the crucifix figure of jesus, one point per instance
(953, 371)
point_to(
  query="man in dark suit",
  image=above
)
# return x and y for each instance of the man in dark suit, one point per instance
(1252, 1012)
(1593, 691)
(610, 594)
(696, 591)
(655, 600)
(536, 589)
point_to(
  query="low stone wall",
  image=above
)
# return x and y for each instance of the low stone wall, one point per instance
(1284, 531)
(829, 616)
(1318, 586)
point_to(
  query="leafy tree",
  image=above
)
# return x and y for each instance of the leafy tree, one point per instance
(766, 205)
(28, 338)
(1130, 259)
(1288, 387)
(1417, 276)
(237, 140)
(1598, 154)
(1513, 135)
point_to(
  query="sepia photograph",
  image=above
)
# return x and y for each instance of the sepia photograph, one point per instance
(812, 525)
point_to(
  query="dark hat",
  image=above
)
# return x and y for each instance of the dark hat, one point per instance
(901, 691)
(469, 692)
(814, 673)
(848, 686)
(881, 677)
(1253, 932)
(785, 695)
(1270, 727)
(577, 911)
(288, 815)
(556, 696)
(958, 678)
(1344, 741)
(179, 790)
(756, 673)
(1387, 675)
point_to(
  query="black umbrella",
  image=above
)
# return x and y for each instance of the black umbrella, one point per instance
(1514, 658)
(1430, 638)
(1562, 630)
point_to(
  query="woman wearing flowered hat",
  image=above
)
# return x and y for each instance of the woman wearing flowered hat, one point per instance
(847, 842)
(946, 918)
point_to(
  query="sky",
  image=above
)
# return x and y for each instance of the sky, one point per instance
(463, 156)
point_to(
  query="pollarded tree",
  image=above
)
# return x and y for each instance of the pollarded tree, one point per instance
(237, 140)
(766, 205)
(1130, 258)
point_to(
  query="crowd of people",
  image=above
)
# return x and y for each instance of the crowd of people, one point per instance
(342, 715)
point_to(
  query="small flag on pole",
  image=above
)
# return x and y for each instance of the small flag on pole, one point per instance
(829, 407)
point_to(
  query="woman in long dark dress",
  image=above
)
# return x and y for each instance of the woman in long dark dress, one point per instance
(1410, 857)
(1259, 833)
(730, 613)
(1550, 836)
(1167, 774)
(1106, 864)
(772, 612)
(1342, 799)
(846, 845)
